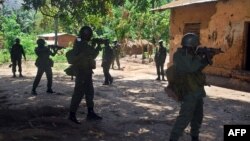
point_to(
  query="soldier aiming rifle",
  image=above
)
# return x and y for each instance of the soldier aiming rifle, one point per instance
(186, 84)
(208, 52)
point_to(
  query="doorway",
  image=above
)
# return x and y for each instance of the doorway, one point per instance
(247, 47)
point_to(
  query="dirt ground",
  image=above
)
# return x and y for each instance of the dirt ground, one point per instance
(134, 107)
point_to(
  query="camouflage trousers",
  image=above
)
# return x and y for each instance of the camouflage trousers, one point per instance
(17, 62)
(117, 58)
(160, 69)
(83, 86)
(49, 75)
(191, 112)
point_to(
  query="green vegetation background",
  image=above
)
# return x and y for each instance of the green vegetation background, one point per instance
(133, 19)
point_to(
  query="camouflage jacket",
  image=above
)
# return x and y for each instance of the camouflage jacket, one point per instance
(43, 57)
(189, 77)
(84, 55)
(107, 55)
(17, 51)
(160, 55)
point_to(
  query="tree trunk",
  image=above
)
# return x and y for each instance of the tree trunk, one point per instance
(56, 19)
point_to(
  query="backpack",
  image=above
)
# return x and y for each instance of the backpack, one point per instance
(70, 70)
(70, 56)
(176, 86)
(179, 84)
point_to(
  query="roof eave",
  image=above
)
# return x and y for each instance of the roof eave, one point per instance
(180, 3)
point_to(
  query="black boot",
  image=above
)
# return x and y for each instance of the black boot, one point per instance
(50, 91)
(158, 78)
(163, 79)
(33, 92)
(92, 115)
(72, 117)
(195, 138)
(111, 80)
(20, 75)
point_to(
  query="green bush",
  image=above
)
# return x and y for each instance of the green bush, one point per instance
(4, 56)
(29, 43)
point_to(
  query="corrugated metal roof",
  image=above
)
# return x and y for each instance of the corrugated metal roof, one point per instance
(179, 3)
(51, 34)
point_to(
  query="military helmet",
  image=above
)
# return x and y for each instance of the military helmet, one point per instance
(86, 32)
(40, 42)
(17, 40)
(190, 40)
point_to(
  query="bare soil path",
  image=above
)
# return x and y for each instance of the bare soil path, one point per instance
(134, 107)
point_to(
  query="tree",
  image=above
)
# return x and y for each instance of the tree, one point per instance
(110, 18)
(10, 29)
(63, 9)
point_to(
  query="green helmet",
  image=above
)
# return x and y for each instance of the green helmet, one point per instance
(40, 42)
(190, 40)
(17, 40)
(86, 32)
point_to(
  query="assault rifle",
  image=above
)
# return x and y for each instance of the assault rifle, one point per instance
(55, 47)
(208, 52)
(99, 40)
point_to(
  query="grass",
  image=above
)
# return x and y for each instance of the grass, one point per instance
(4, 56)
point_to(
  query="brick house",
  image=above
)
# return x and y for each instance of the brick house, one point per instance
(221, 24)
(63, 39)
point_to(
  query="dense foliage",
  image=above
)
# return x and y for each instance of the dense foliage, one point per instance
(110, 19)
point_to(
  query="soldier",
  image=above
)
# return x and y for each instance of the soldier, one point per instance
(44, 64)
(107, 58)
(84, 55)
(116, 50)
(160, 57)
(16, 53)
(191, 81)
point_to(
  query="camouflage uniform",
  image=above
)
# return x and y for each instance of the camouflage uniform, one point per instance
(116, 50)
(44, 64)
(107, 58)
(16, 53)
(189, 69)
(160, 58)
(84, 62)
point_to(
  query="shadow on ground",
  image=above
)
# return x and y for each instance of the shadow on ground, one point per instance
(132, 110)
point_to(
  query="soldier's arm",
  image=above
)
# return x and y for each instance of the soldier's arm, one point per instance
(23, 53)
(11, 52)
(189, 64)
(97, 50)
(53, 53)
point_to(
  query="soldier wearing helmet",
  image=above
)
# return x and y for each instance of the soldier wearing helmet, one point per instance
(16, 53)
(189, 84)
(160, 57)
(84, 54)
(44, 64)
